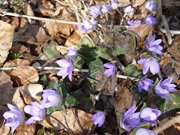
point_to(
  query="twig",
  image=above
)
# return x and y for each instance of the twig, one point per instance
(168, 124)
(75, 70)
(4, 13)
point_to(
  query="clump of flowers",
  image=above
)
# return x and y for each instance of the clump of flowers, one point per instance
(13, 118)
(150, 64)
(164, 88)
(153, 45)
(110, 70)
(145, 84)
(99, 118)
(132, 119)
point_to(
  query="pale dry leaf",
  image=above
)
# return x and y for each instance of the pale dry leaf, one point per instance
(26, 130)
(35, 91)
(6, 38)
(18, 99)
(124, 3)
(73, 120)
(4, 130)
(136, 3)
(25, 75)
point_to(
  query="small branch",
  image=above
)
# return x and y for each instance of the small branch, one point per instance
(75, 70)
(168, 124)
(4, 13)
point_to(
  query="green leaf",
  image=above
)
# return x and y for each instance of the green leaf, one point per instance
(50, 51)
(172, 103)
(71, 101)
(103, 53)
(131, 70)
(79, 62)
(95, 66)
(119, 51)
(87, 41)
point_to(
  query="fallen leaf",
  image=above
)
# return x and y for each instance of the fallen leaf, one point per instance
(74, 39)
(6, 38)
(24, 75)
(142, 31)
(35, 91)
(123, 98)
(137, 3)
(26, 130)
(4, 130)
(54, 29)
(72, 120)
(6, 89)
(17, 62)
(18, 99)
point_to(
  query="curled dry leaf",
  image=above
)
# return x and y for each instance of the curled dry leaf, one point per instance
(142, 31)
(72, 120)
(26, 130)
(6, 38)
(24, 75)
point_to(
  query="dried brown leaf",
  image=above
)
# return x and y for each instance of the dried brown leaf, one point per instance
(6, 89)
(123, 99)
(73, 39)
(55, 29)
(142, 31)
(136, 3)
(24, 75)
(17, 62)
(72, 120)
(6, 38)
(4, 130)
(26, 130)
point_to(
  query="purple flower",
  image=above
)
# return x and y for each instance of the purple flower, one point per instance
(98, 118)
(150, 64)
(152, 5)
(151, 20)
(154, 45)
(88, 26)
(134, 23)
(51, 98)
(95, 11)
(72, 53)
(130, 119)
(36, 110)
(66, 68)
(150, 115)
(145, 84)
(143, 131)
(114, 4)
(164, 88)
(110, 70)
(106, 8)
(13, 118)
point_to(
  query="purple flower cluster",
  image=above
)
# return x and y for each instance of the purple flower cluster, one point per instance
(95, 11)
(132, 119)
(67, 65)
(99, 118)
(14, 118)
